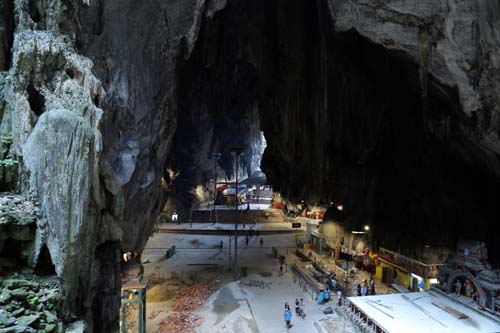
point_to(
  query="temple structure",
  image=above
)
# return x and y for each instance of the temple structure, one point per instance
(470, 271)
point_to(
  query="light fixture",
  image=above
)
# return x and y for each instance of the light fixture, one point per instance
(340, 207)
(367, 227)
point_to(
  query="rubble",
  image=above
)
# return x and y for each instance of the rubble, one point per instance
(191, 298)
(29, 303)
(180, 322)
(186, 301)
(154, 314)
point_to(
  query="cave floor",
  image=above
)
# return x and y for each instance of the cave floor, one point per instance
(254, 304)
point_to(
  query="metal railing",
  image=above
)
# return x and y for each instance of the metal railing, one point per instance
(427, 271)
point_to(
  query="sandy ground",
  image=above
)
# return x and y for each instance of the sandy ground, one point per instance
(235, 306)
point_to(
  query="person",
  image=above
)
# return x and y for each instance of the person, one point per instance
(359, 289)
(287, 306)
(372, 286)
(175, 217)
(364, 289)
(288, 318)
(248, 205)
(257, 233)
(302, 313)
(321, 297)
(327, 295)
(246, 240)
(221, 245)
(334, 283)
(281, 270)
(458, 286)
(297, 306)
(261, 241)
(468, 288)
(475, 296)
(339, 295)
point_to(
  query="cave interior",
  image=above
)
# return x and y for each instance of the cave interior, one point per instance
(345, 120)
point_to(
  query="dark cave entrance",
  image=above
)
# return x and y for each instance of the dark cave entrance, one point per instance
(345, 120)
(36, 100)
(217, 103)
(13, 254)
(44, 265)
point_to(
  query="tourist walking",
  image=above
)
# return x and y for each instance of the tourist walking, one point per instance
(246, 240)
(321, 297)
(288, 318)
(297, 306)
(372, 286)
(327, 295)
(221, 245)
(261, 241)
(287, 306)
(301, 313)
(364, 289)
(339, 295)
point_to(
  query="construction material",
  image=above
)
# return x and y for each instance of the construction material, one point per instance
(257, 284)
(186, 301)
(455, 313)
(181, 322)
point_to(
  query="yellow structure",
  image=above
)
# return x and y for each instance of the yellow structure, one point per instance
(394, 268)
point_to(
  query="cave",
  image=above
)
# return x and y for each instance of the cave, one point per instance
(13, 254)
(44, 265)
(216, 141)
(6, 32)
(36, 100)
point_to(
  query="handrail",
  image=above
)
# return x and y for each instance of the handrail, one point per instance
(405, 257)
(412, 265)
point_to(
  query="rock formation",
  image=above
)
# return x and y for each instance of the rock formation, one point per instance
(388, 107)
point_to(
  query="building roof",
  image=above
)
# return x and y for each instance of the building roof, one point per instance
(430, 312)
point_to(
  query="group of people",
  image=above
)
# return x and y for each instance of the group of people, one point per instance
(299, 311)
(470, 291)
(324, 296)
(367, 288)
(331, 281)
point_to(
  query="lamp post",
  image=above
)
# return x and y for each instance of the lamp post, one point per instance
(236, 152)
(215, 157)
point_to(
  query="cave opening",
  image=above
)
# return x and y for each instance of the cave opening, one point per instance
(34, 11)
(36, 100)
(345, 120)
(44, 265)
(6, 39)
(13, 254)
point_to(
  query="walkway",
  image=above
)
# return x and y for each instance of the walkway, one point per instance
(328, 264)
